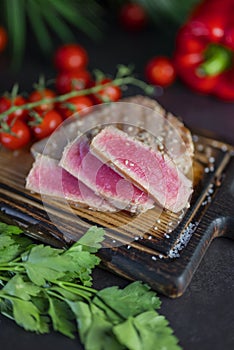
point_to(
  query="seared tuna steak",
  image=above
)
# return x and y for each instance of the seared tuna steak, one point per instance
(149, 169)
(46, 177)
(175, 137)
(103, 180)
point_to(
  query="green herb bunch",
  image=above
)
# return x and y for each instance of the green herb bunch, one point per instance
(44, 288)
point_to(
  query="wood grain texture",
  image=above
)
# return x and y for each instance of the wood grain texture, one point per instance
(147, 246)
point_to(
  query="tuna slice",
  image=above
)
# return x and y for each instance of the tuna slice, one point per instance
(46, 177)
(150, 170)
(78, 161)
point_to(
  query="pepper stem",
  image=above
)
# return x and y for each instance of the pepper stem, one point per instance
(217, 60)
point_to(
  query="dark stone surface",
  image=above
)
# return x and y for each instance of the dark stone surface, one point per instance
(203, 318)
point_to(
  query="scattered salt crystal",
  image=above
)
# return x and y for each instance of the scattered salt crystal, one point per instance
(200, 147)
(128, 247)
(161, 147)
(155, 228)
(160, 256)
(154, 258)
(224, 148)
(211, 169)
(136, 238)
(195, 138)
(166, 235)
(126, 162)
(150, 237)
(131, 164)
(113, 241)
(206, 170)
(158, 221)
(211, 159)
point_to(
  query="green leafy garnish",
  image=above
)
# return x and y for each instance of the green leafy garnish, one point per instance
(44, 288)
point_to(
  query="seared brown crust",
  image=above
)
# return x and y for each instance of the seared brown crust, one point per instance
(184, 161)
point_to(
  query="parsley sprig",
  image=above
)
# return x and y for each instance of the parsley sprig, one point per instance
(44, 288)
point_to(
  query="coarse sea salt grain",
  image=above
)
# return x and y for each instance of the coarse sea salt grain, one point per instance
(183, 240)
(224, 148)
(211, 159)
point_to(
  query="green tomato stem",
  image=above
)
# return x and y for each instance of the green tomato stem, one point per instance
(117, 82)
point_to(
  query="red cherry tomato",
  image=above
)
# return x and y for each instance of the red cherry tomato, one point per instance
(80, 105)
(160, 71)
(70, 57)
(19, 139)
(109, 93)
(68, 81)
(51, 120)
(38, 95)
(133, 17)
(3, 39)
(6, 103)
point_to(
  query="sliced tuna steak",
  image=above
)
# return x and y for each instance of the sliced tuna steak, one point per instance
(148, 169)
(103, 180)
(176, 138)
(46, 177)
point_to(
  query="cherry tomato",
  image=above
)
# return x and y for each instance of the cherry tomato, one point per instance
(38, 95)
(6, 103)
(109, 93)
(70, 57)
(133, 17)
(80, 104)
(21, 139)
(160, 71)
(51, 120)
(3, 39)
(76, 80)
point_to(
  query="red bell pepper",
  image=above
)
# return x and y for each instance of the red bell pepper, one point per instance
(204, 55)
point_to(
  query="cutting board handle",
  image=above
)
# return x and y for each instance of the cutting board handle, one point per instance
(223, 203)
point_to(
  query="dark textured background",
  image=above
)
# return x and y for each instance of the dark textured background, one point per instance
(203, 318)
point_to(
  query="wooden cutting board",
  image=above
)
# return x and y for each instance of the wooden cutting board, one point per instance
(152, 248)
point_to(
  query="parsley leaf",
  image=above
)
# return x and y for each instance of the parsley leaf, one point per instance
(130, 301)
(9, 229)
(27, 315)
(19, 288)
(44, 264)
(62, 317)
(92, 239)
(11, 245)
(43, 287)
(154, 332)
